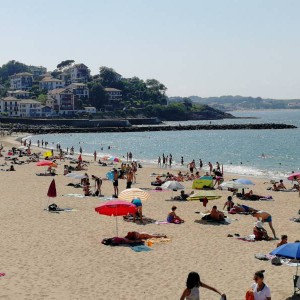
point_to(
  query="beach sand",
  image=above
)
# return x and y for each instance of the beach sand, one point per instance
(60, 256)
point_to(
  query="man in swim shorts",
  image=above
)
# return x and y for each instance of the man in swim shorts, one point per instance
(265, 218)
(116, 182)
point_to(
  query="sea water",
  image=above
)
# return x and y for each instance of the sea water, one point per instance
(269, 153)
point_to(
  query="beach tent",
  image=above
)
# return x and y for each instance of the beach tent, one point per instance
(209, 194)
(204, 181)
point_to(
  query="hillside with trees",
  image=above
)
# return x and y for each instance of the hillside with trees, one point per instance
(140, 98)
(230, 103)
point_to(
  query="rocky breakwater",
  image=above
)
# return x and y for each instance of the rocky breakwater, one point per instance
(66, 129)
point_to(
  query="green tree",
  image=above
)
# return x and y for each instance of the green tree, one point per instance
(98, 96)
(64, 64)
(109, 77)
(11, 68)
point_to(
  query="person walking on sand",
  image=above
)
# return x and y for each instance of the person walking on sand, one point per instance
(192, 166)
(95, 155)
(193, 283)
(265, 218)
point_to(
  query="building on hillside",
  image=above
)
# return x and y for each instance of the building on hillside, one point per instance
(113, 94)
(30, 108)
(37, 71)
(21, 81)
(80, 90)
(46, 111)
(114, 98)
(19, 94)
(50, 83)
(79, 73)
(61, 101)
(10, 106)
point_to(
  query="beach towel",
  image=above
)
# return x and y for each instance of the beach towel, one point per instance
(74, 195)
(140, 248)
(145, 220)
(161, 222)
(2, 274)
(247, 239)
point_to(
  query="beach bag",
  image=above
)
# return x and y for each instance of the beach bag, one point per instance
(249, 295)
(276, 261)
(52, 207)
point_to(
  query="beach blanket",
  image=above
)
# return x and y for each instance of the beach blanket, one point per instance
(45, 174)
(140, 248)
(2, 274)
(61, 210)
(295, 219)
(145, 219)
(212, 222)
(161, 222)
(159, 240)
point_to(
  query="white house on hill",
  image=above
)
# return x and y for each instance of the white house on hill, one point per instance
(21, 81)
(50, 83)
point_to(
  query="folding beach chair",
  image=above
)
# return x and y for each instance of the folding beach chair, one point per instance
(296, 280)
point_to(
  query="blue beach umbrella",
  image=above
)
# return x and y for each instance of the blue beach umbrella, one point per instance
(289, 250)
(244, 181)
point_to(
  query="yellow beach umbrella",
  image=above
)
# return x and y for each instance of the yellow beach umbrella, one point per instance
(47, 153)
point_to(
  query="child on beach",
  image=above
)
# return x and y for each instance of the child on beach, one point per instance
(173, 218)
(192, 288)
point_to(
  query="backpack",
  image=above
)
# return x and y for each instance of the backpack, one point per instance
(276, 261)
(52, 207)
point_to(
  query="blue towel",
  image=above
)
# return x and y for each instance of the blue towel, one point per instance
(140, 248)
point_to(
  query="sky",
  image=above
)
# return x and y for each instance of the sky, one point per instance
(194, 47)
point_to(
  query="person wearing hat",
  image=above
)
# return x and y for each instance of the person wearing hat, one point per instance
(259, 231)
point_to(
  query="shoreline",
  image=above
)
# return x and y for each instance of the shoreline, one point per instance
(153, 164)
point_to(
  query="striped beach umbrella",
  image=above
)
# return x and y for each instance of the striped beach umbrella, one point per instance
(130, 194)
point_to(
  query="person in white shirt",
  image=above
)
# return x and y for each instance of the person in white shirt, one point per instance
(260, 290)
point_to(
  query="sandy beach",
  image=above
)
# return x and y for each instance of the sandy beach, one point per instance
(60, 256)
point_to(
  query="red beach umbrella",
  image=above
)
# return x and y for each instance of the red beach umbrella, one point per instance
(294, 176)
(80, 158)
(116, 208)
(45, 163)
(52, 190)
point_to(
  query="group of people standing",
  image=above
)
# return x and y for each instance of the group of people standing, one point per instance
(258, 290)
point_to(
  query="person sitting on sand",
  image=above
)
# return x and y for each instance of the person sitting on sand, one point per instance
(281, 186)
(229, 203)
(275, 187)
(265, 218)
(173, 218)
(259, 231)
(284, 240)
(216, 214)
(139, 206)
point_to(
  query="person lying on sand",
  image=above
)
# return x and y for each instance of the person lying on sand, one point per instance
(242, 209)
(136, 236)
(131, 238)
